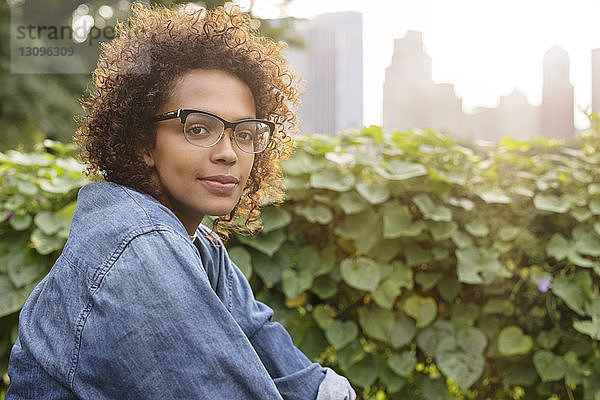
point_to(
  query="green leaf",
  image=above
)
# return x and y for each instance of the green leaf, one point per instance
(46, 244)
(422, 309)
(13, 301)
(274, 218)
(552, 203)
(512, 341)
(403, 330)
(574, 290)
(463, 367)
(324, 315)
(294, 283)
(242, 258)
(428, 338)
(317, 213)
(324, 287)
(341, 333)
(372, 192)
(558, 247)
(21, 222)
(47, 222)
(441, 230)
(364, 372)
(386, 293)
(494, 196)
(478, 227)
(376, 322)
(350, 354)
(427, 280)
(478, 265)
(360, 273)
(587, 327)
(267, 268)
(508, 233)
(471, 340)
(548, 339)
(332, 179)
(397, 222)
(351, 202)
(398, 170)
(392, 382)
(268, 243)
(27, 188)
(549, 366)
(403, 363)
(448, 289)
(431, 210)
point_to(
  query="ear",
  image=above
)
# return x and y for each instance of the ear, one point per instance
(148, 157)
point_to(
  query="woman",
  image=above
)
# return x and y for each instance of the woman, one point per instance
(187, 120)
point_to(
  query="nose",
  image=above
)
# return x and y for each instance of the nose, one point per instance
(224, 151)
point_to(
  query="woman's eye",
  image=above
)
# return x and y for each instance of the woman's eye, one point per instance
(245, 136)
(197, 130)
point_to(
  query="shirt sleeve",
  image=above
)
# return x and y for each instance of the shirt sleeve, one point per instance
(155, 329)
(296, 377)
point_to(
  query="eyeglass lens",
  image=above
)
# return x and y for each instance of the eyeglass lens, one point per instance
(205, 131)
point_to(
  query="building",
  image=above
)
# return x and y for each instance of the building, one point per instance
(596, 81)
(411, 100)
(557, 96)
(331, 67)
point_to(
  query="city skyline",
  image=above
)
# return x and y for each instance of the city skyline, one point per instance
(500, 44)
(412, 100)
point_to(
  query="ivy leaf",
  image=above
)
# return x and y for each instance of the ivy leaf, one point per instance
(268, 243)
(361, 273)
(376, 322)
(332, 179)
(341, 333)
(398, 170)
(463, 367)
(242, 258)
(351, 202)
(324, 315)
(512, 341)
(350, 354)
(364, 372)
(403, 330)
(478, 265)
(549, 366)
(372, 192)
(386, 293)
(558, 247)
(552, 203)
(422, 309)
(403, 363)
(428, 338)
(274, 218)
(478, 227)
(574, 290)
(431, 210)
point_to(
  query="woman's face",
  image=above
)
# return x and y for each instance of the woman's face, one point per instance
(199, 181)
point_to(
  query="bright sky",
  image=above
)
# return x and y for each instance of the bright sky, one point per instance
(486, 48)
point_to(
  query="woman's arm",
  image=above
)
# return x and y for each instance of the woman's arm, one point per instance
(154, 328)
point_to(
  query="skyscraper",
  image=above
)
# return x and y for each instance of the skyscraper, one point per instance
(331, 67)
(596, 81)
(410, 98)
(557, 94)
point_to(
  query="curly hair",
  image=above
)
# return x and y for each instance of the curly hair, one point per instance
(133, 78)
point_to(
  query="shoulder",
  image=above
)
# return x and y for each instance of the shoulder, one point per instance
(109, 216)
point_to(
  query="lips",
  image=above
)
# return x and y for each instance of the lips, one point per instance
(220, 184)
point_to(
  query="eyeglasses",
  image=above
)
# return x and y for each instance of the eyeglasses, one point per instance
(204, 129)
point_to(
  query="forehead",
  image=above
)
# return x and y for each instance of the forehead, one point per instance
(215, 91)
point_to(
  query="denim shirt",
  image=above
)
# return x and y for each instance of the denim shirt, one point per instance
(133, 309)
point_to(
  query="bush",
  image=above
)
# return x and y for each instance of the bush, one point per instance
(416, 267)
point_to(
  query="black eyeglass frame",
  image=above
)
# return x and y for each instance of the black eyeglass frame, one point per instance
(183, 113)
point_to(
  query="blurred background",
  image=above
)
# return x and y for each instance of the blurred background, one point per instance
(477, 71)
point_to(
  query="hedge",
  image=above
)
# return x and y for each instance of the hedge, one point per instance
(416, 267)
